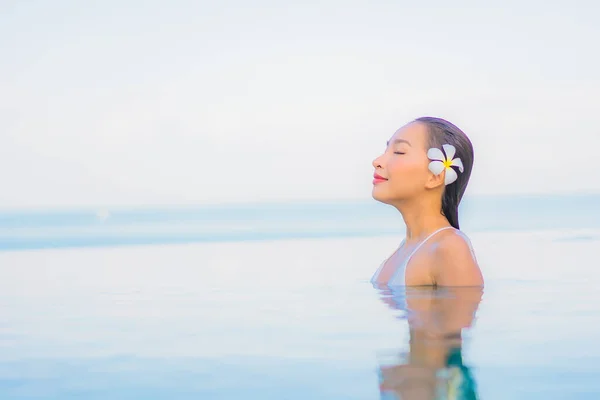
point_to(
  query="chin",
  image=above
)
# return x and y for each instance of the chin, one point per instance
(380, 197)
(387, 197)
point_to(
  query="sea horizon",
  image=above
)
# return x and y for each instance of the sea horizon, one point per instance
(145, 225)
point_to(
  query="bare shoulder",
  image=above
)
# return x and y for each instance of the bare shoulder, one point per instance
(455, 263)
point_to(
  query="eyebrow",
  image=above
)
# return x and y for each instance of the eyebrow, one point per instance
(399, 141)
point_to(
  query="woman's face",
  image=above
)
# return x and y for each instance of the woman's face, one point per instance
(403, 166)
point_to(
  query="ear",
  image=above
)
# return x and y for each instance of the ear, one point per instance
(435, 181)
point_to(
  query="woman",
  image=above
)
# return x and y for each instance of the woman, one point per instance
(423, 173)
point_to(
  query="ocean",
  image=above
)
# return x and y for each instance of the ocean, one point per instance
(273, 301)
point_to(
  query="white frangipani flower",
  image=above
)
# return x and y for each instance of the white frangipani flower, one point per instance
(441, 162)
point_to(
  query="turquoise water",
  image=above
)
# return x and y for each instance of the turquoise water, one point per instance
(276, 304)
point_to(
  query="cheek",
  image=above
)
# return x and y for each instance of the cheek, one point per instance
(406, 167)
(408, 175)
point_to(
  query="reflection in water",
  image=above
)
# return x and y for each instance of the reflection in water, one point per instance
(432, 367)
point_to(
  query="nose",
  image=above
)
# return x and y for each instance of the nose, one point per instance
(377, 163)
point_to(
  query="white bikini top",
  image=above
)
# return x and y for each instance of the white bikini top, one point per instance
(398, 278)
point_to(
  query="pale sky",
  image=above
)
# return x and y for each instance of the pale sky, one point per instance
(130, 102)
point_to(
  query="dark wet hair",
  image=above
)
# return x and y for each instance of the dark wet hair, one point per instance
(443, 132)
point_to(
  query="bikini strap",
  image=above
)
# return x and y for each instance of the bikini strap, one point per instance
(425, 240)
(466, 238)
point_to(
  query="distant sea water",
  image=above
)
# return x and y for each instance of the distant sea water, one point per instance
(20, 230)
(273, 301)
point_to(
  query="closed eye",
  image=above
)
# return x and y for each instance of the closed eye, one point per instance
(398, 152)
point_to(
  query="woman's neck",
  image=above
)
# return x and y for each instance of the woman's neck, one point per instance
(422, 218)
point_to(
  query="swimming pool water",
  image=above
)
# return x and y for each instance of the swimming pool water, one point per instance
(297, 319)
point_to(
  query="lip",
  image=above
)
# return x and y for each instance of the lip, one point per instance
(378, 179)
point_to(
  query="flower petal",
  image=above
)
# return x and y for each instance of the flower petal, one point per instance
(435, 154)
(449, 150)
(458, 163)
(436, 167)
(451, 176)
